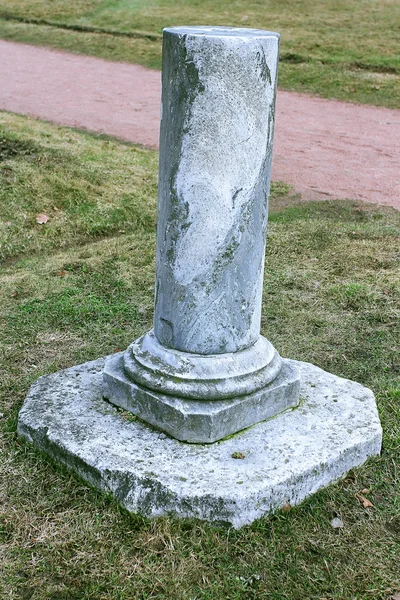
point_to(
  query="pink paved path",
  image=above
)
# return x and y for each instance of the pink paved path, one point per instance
(325, 148)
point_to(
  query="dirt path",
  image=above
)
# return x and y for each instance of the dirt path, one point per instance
(325, 148)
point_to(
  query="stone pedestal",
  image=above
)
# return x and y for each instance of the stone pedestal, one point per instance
(205, 372)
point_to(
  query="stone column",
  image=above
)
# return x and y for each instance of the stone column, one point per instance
(205, 371)
(218, 102)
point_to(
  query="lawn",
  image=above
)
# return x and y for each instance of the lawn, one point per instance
(345, 49)
(81, 286)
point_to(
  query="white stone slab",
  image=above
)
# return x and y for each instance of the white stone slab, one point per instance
(335, 428)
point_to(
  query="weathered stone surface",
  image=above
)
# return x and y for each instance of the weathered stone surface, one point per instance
(201, 420)
(218, 101)
(335, 428)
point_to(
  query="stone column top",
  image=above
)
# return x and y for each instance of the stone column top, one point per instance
(211, 31)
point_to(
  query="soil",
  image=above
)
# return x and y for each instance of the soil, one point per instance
(326, 149)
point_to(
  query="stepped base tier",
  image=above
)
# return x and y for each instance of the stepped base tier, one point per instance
(237, 480)
(201, 398)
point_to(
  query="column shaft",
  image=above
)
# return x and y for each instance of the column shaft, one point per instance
(218, 98)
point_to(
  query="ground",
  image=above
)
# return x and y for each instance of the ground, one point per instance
(315, 139)
(80, 286)
(344, 49)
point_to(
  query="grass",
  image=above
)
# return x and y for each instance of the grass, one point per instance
(110, 187)
(334, 48)
(81, 286)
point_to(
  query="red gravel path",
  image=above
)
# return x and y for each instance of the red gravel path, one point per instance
(325, 148)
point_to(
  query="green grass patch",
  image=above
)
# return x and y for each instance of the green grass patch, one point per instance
(71, 292)
(88, 187)
(335, 49)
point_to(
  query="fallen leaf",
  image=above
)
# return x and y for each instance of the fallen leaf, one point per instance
(41, 219)
(395, 596)
(61, 273)
(364, 501)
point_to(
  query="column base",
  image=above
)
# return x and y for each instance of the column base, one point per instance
(201, 399)
(240, 479)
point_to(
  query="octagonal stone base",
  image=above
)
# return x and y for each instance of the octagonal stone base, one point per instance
(285, 459)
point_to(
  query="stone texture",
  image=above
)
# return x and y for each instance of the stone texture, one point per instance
(200, 421)
(218, 102)
(335, 428)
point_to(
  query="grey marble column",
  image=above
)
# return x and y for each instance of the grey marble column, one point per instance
(218, 102)
(205, 372)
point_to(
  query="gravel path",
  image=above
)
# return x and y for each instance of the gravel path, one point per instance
(324, 148)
